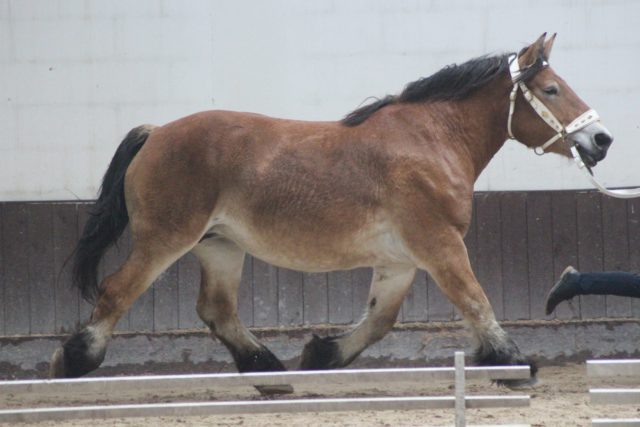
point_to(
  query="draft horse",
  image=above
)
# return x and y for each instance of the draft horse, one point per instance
(389, 186)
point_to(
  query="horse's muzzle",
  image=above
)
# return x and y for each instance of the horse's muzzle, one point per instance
(592, 143)
(591, 157)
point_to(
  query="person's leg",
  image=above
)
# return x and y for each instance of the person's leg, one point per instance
(619, 283)
(572, 283)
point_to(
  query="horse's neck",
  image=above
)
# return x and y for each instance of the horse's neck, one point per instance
(483, 123)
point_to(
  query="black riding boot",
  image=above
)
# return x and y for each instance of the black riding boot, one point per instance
(572, 283)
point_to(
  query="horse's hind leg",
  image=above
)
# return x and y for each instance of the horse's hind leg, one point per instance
(221, 266)
(388, 289)
(84, 351)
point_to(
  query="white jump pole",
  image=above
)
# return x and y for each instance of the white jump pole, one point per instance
(459, 389)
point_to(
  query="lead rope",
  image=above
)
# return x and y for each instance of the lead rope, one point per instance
(622, 193)
(582, 121)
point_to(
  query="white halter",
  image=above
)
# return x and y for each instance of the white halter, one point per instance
(582, 121)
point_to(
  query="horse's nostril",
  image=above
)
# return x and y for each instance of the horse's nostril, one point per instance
(603, 140)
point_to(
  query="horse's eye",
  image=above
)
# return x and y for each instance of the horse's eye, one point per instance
(551, 90)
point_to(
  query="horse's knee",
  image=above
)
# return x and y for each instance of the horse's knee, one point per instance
(83, 352)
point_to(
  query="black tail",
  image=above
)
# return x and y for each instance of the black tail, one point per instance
(108, 218)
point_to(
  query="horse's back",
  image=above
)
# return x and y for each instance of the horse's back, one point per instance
(296, 193)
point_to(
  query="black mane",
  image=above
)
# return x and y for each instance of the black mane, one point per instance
(453, 82)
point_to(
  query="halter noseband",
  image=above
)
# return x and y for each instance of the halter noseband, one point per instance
(582, 121)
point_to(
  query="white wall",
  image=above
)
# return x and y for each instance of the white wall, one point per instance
(76, 75)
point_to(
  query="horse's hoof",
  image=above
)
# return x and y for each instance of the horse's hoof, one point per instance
(271, 390)
(320, 354)
(520, 384)
(56, 366)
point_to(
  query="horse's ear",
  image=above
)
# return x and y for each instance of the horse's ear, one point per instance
(529, 55)
(548, 45)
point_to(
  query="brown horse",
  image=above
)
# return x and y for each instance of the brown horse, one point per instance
(390, 186)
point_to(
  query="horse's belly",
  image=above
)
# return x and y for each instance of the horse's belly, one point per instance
(375, 244)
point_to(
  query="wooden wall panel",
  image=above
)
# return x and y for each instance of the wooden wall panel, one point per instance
(488, 252)
(633, 235)
(316, 298)
(65, 237)
(41, 269)
(518, 244)
(414, 306)
(564, 232)
(515, 276)
(590, 253)
(165, 300)
(540, 251)
(265, 294)
(3, 296)
(84, 308)
(16, 268)
(290, 297)
(361, 283)
(245, 293)
(188, 288)
(439, 308)
(340, 297)
(142, 312)
(616, 250)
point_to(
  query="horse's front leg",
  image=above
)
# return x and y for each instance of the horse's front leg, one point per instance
(448, 263)
(388, 287)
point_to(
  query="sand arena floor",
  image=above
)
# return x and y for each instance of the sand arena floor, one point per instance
(560, 399)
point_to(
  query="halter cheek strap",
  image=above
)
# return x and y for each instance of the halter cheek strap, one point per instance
(580, 122)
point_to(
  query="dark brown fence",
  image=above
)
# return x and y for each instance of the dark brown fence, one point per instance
(519, 243)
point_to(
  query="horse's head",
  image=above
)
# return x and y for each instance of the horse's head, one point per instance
(546, 114)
